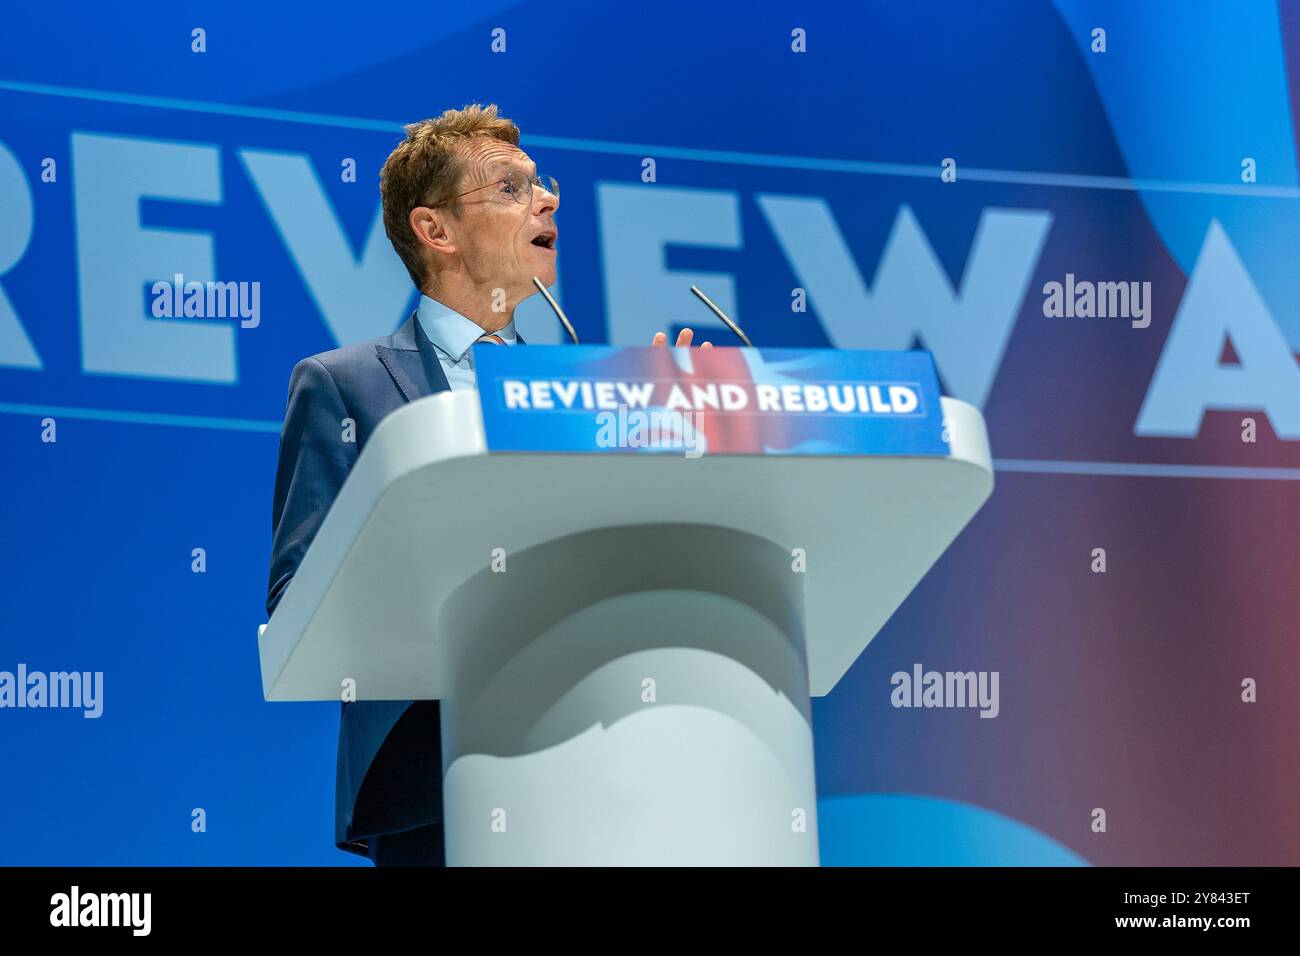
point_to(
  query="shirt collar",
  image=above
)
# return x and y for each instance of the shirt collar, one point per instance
(451, 332)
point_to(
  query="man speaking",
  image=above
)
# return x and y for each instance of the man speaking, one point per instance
(473, 223)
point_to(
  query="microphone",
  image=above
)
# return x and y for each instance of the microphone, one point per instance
(564, 319)
(720, 314)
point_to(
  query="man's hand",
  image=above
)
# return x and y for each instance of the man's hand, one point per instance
(683, 340)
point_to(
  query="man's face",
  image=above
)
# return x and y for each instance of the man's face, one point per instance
(504, 243)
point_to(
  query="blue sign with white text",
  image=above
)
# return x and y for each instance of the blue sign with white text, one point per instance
(731, 401)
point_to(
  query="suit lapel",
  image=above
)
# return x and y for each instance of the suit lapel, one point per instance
(413, 362)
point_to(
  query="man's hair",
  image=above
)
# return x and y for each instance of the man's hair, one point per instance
(425, 169)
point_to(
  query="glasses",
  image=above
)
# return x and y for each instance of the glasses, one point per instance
(517, 186)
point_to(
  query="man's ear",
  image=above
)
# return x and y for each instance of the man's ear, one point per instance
(432, 227)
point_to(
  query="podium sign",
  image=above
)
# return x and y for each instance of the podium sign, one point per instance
(730, 401)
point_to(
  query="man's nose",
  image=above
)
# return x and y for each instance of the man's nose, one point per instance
(544, 201)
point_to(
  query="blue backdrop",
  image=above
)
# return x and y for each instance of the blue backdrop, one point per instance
(799, 156)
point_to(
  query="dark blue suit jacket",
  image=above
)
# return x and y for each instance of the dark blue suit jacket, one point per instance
(389, 760)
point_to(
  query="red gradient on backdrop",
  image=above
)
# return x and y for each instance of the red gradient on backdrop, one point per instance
(1119, 690)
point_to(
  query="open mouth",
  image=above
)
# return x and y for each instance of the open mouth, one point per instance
(545, 240)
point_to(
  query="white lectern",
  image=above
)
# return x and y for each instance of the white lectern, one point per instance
(624, 644)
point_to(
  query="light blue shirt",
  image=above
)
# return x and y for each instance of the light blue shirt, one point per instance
(452, 336)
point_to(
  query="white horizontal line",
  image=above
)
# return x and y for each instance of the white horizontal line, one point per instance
(1122, 469)
(1052, 180)
(1030, 466)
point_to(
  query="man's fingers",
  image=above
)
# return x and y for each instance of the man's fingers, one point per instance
(683, 339)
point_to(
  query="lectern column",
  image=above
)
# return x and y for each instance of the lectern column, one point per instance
(630, 696)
